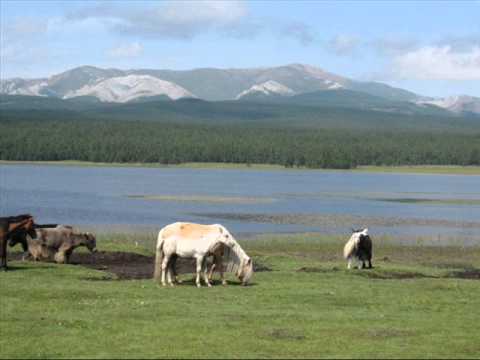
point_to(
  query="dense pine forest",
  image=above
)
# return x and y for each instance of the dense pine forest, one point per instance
(171, 143)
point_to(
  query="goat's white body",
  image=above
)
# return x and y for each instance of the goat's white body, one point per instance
(351, 247)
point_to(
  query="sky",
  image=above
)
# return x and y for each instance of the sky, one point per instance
(429, 47)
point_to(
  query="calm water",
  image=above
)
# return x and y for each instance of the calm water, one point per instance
(288, 201)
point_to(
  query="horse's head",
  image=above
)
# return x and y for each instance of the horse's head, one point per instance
(19, 237)
(245, 271)
(30, 228)
(90, 242)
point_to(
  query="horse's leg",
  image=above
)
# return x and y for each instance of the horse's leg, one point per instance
(222, 275)
(205, 272)
(68, 253)
(210, 273)
(59, 257)
(199, 270)
(3, 252)
(169, 275)
(166, 259)
(369, 263)
(349, 264)
(173, 267)
(218, 264)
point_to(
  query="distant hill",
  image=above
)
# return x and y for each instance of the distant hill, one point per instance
(209, 84)
(253, 84)
(312, 110)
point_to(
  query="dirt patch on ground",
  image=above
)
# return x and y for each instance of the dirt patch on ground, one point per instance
(395, 275)
(124, 265)
(128, 266)
(259, 267)
(284, 334)
(388, 333)
(312, 269)
(469, 274)
(118, 265)
(472, 274)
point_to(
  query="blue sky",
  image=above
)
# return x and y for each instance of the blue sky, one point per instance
(429, 47)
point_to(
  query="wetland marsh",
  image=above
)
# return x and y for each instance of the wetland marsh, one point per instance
(433, 207)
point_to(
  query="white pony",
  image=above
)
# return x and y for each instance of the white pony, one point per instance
(189, 240)
(359, 247)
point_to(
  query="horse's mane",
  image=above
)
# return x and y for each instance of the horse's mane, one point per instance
(231, 261)
(18, 218)
(4, 221)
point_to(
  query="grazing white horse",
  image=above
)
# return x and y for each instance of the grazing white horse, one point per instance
(189, 240)
(358, 247)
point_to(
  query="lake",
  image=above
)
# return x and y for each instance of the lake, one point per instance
(437, 208)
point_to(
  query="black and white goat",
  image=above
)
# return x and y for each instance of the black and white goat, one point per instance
(359, 247)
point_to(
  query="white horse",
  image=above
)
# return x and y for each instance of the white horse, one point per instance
(359, 246)
(189, 240)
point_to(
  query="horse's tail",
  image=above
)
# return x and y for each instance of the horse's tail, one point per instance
(158, 257)
(350, 247)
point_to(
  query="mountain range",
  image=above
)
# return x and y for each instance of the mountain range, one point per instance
(296, 84)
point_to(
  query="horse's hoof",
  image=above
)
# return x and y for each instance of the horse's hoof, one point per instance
(199, 286)
(179, 281)
(209, 285)
(172, 285)
(163, 284)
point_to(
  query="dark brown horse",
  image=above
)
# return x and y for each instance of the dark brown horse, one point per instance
(10, 226)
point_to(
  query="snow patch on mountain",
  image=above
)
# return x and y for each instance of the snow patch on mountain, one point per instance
(268, 88)
(126, 88)
(23, 87)
(332, 85)
(457, 104)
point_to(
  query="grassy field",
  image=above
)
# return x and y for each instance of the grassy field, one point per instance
(424, 169)
(416, 302)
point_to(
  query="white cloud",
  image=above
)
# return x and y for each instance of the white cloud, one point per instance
(170, 19)
(438, 63)
(391, 46)
(131, 50)
(298, 31)
(343, 44)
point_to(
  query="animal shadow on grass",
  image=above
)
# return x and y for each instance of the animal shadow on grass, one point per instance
(314, 269)
(191, 282)
(11, 268)
(468, 273)
(284, 334)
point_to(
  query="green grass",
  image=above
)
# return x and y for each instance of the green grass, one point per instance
(50, 310)
(424, 169)
(188, 165)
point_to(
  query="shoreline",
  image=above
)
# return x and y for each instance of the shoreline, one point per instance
(406, 169)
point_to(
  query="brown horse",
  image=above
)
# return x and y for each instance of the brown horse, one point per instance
(10, 226)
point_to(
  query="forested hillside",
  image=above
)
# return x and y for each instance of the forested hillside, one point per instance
(133, 141)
